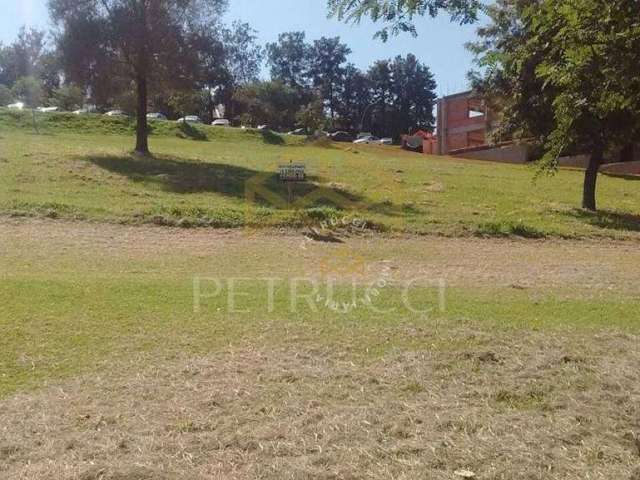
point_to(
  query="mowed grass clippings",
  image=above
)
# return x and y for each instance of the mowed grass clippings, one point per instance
(81, 167)
(500, 405)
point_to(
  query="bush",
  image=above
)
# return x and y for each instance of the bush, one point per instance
(6, 97)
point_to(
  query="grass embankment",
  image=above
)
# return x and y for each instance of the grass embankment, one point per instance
(80, 167)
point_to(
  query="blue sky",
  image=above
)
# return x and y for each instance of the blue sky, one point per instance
(439, 44)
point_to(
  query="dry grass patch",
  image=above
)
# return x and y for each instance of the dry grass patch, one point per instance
(504, 406)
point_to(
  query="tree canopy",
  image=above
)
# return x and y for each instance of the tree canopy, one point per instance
(565, 75)
(176, 57)
(288, 59)
(398, 15)
(142, 42)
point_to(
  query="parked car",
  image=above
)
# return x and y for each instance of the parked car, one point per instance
(47, 109)
(263, 127)
(341, 137)
(16, 106)
(364, 134)
(115, 113)
(81, 111)
(386, 141)
(367, 140)
(221, 122)
(156, 116)
(190, 119)
(298, 131)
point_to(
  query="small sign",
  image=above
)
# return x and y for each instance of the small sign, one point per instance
(293, 172)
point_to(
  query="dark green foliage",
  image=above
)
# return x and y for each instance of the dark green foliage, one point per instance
(289, 58)
(28, 90)
(68, 97)
(398, 15)
(27, 56)
(272, 103)
(6, 97)
(327, 70)
(566, 75)
(141, 43)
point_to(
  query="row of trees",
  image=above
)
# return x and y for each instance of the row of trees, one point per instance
(312, 85)
(174, 56)
(561, 74)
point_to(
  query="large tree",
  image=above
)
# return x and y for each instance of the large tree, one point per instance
(398, 15)
(565, 74)
(28, 56)
(288, 59)
(242, 54)
(381, 83)
(355, 98)
(328, 56)
(414, 95)
(242, 61)
(143, 42)
(23, 57)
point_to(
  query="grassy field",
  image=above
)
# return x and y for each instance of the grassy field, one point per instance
(505, 344)
(202, 176)
(75, 295)
(116, 374)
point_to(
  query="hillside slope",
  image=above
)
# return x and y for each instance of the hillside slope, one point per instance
(81, 167)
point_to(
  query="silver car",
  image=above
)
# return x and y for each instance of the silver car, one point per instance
(190, 119)
(156, 116)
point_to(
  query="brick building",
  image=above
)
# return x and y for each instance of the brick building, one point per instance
(462, 130)
(463, 122)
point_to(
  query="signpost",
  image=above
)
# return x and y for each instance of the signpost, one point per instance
(293, 172)
(290, 174)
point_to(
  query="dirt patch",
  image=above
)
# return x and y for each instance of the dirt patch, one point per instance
(589, 267)
(503, 406)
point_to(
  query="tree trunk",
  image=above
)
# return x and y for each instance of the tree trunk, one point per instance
(35, 124)
(590, 181)
(142, 142)
(210, 106)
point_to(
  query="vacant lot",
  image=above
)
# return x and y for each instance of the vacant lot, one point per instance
(202, 176)
(429, 337)
(108, 373)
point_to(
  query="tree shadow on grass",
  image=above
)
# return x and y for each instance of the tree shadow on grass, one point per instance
(189, 176)
(608, 219)
(623, 176)
(189, 131)
(271, 138)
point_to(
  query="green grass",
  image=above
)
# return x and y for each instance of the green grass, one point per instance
(67, 310)
(81, 167)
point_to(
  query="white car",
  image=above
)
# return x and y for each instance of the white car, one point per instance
(16, 106)
(221, 122)
(47, 109)
(115, 113)
(386, 141)
(156, 116)
(190, 119)
(80, 111)
(367, 140)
